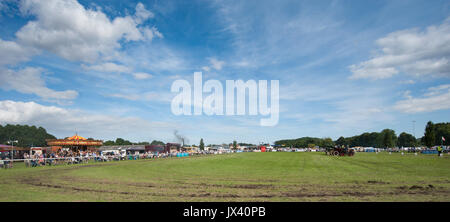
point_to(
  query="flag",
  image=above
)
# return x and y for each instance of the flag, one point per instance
(443, 139)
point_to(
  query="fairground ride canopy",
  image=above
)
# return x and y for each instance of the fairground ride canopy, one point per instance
(74, 141)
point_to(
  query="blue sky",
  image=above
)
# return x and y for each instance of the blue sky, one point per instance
(104, 68)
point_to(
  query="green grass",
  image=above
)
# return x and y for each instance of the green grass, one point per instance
(238, 177)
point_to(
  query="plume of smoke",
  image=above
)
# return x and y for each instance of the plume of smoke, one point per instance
(180, 138)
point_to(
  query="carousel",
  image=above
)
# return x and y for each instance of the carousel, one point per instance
(74, 143)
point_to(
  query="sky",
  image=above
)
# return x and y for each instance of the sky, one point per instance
(104, 69)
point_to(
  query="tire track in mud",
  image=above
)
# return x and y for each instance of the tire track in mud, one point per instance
(263, 196)
(265, 191)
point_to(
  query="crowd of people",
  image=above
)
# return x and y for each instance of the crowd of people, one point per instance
(68, 157)
(56, 158)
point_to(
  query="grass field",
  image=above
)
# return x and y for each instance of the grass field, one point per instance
(238, 177)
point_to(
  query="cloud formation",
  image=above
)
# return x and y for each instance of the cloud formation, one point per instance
(65, 122)
(12, 53)
(29, 81)
(69, 30)
(144, 96)
(107, 67)
(142, 75)
(142, 13)
(436, 98)
(110, 67)
(413, 52)
(214, 64)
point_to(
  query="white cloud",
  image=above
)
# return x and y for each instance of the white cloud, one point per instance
(147, 96)
(437, 89)
(158, 58)
(107, 67)
(411, 51)
(69, 30)
(142, 75)
(372, 72)
(29, 81)
(132, 97)
(436, 98)
(410, 81)
(65, 122)
(175, 77)
(216, 64)
(407, 94)
(242, 63)
(142, 14)
(152, 32)
(12, 53)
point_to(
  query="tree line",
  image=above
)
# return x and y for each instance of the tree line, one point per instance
(27, 136)
(435, 132)
(387, 138)
(123, 142)
(384, 139)
(306, 142)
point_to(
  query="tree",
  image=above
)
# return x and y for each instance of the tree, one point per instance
(234, 145)
(419, 141)
(157, 142)
(120, 141)
(341, 141)
(406, 140)
(142, 143)
(109, 143)
(327, 143)
(202, 144)
(442, 130)
(388, 138)
(430, 134)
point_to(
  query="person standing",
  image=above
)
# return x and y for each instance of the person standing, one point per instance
(7, 163)
(25, 157)
(439, 149)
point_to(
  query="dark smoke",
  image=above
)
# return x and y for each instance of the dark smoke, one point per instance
(180, 138)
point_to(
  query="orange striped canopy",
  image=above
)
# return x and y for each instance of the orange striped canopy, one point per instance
(76, 137)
